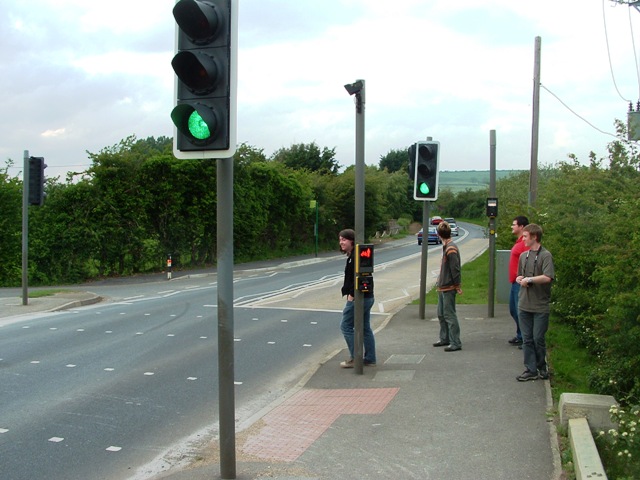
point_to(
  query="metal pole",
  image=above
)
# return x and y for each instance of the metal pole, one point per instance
(358, 350)
(25, 229)
(492, 223)
(226, 387)
(426, 212)
(533, 178)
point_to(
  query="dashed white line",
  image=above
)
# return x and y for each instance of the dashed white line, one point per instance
(113, 449)
(56, 439)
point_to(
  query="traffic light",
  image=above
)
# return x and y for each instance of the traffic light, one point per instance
(426, 171)
(364, 258)
(36, 180)
(205, 65)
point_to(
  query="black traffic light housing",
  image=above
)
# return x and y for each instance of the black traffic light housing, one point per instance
(492, 207)
(205, 65)
(36, 180)
(425, 170)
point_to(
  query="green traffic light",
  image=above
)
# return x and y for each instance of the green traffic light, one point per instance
(424, 188)
(198, 127)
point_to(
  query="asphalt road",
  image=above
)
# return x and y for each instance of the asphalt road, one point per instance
(108, 390)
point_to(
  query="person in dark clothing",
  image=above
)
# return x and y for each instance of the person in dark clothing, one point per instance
(448, 286)
(347, 246)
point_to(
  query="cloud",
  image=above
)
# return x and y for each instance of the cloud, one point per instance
(81, 76)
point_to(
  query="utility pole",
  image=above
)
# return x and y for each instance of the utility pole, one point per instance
(535, 126)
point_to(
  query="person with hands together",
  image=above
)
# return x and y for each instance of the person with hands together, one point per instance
(535, 275)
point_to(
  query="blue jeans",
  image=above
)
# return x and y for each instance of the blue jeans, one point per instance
(346, 325)
(449, 326)
(534, 327)
(513, 307)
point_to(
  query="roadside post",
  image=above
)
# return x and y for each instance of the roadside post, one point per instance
(357, 89)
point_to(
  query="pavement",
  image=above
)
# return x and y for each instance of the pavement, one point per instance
(420, 413)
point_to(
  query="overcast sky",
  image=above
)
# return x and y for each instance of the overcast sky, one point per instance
(80, 75)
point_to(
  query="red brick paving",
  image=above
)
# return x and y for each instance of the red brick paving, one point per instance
(293, 426)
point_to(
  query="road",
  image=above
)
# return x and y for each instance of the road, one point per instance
(119, 389)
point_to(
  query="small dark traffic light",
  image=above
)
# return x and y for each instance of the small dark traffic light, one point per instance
(205, 65)
(36, 180)
(426, 173)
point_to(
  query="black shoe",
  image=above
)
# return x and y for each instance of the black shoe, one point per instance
(440, 343)
(452, 349)
(515, 341)
(526, 376)
(543, 374)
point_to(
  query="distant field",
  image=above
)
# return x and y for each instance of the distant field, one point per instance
(462, 180)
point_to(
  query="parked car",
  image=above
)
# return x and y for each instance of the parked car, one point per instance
(454, 229)
(433, 236)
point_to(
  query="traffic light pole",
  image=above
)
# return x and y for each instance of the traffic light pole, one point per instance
(426, 212)
(358, 90)
(492, 224)
(25, 229)
(358, 350)
(226, 388)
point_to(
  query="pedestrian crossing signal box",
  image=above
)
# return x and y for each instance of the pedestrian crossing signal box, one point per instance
(492, 207)
(364, 282)
(364, 258)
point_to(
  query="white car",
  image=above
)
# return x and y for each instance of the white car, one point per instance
(454, 229)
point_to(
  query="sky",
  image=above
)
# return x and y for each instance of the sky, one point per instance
(78, 76)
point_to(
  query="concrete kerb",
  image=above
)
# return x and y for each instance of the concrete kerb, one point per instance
(78, 303)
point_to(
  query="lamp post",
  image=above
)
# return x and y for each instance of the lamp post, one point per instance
(357, 89)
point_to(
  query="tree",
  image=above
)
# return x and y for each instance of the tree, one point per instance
(308, 157)
(10, 226)
(395, 161)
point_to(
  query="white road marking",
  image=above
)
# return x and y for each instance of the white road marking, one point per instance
(56, 439)
(113, 449)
